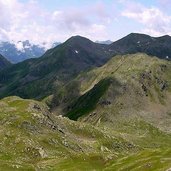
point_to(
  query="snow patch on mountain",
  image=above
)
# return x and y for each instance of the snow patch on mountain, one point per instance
(76, 51)
(19, 46)
(22, 50)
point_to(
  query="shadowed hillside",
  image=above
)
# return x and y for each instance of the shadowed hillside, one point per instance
(35, 78)
(134, 42)
(4, 62)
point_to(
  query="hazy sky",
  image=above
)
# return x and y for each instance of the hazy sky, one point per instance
(56, 20)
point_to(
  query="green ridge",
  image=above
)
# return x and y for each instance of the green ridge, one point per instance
(87, 102)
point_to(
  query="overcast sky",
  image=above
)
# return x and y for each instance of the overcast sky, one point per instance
(56, 20)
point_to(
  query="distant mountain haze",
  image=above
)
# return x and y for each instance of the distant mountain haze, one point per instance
(22, 50)
(132, 43)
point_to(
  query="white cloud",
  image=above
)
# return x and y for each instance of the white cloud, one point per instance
(29, 21)
(155, 21)
(164, 4)
(19, 46)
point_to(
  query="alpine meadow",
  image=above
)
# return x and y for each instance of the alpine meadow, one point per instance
(85, 85)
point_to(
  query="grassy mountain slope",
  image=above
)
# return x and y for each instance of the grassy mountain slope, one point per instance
(130, 97)
(136, 90)
(4, 62)
(32, 138)
(134, 42)
(124, 121)
(138, 84)
(34, 78)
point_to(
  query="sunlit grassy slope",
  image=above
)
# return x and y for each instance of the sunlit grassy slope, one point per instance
(31, 138)
(127, 87)
(123, 122)
(129, 97)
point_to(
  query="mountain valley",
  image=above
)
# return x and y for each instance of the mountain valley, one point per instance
(89, 106)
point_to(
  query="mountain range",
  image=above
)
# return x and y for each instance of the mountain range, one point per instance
(133, 43)
(22, 50)
(36, 78)
(106, 106)
(123, 121)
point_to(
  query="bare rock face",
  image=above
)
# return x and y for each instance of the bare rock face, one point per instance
(168, 169)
